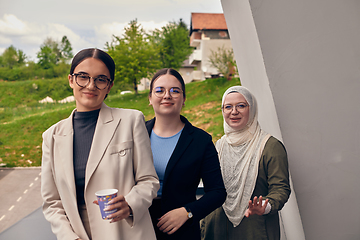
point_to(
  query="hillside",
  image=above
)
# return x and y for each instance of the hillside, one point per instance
(23, 119)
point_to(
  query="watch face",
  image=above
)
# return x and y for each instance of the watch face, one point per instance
(190, 215)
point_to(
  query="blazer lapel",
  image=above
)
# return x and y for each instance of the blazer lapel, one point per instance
(104, 131)
(63, 154)
(149, 125)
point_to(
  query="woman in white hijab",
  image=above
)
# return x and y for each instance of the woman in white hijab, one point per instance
(255, 171)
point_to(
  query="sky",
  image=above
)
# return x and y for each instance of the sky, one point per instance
(26, 24)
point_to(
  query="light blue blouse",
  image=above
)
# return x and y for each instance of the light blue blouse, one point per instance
(162, 149)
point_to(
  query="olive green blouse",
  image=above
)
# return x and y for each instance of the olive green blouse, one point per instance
(272, 183)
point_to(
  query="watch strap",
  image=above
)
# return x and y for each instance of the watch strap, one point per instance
(190, 214)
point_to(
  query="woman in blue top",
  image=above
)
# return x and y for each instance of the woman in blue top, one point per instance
(183, 154)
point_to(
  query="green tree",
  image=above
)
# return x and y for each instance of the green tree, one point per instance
(49, 54)
(65, 50)
(47, 58)
(13, 58)
(173, 44)
(135, 55)
(223, 61)
(52, 52)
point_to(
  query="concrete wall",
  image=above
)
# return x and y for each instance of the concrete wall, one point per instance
(206, 47)
(302, 61)
(186, 73)
(144, 84)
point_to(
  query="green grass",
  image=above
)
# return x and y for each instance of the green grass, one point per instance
(23, 119)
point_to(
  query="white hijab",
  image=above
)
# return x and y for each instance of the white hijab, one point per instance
(239, 154)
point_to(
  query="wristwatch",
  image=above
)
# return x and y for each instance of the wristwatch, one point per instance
(189, 215)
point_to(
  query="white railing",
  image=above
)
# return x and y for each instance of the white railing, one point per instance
(195, 56)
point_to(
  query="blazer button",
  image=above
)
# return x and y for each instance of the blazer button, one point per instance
(122, 153)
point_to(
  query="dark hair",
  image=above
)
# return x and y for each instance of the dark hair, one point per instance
(169, 71)
(94, 53)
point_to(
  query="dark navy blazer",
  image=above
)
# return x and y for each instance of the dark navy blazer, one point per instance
(194, 158)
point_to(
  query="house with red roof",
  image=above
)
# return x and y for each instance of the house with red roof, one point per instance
(208, 32)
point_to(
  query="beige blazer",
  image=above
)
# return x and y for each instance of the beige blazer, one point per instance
(120, 157)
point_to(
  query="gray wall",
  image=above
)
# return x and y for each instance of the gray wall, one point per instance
(302, 61)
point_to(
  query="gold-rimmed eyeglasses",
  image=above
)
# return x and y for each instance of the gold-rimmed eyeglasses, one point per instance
(83, 80)
(240, 107)
(174, 92)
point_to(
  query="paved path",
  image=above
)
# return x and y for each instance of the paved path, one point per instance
(19, 194)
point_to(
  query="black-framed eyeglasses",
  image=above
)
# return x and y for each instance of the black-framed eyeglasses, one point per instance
(174, 92)
(83, 80)
(240, 107)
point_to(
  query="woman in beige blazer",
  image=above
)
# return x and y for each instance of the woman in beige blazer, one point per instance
(97, 148)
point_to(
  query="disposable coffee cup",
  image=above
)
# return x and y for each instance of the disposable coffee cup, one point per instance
(104, 197)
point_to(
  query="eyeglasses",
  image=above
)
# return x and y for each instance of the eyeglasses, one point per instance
(83, 80)
(161, 91)
(240, 107)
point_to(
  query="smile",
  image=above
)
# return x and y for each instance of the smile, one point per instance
(167, 103)
(88, 94)
(235, 119)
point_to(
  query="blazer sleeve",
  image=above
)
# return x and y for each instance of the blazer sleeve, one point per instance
(146, 180)
(277, 173)
(52, 206)
(215, 193)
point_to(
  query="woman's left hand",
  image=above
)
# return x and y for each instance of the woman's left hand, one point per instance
(171, 221)
(123, 209)
(256, 207)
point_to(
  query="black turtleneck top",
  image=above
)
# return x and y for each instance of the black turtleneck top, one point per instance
(84, 124)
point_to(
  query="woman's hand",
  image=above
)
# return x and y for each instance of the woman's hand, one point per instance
(256, 207)
(123, 209)
(173, 220)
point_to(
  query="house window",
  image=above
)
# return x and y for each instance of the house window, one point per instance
(223, 34)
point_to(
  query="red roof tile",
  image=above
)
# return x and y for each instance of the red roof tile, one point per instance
(208, 21)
